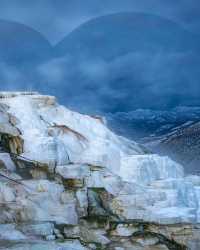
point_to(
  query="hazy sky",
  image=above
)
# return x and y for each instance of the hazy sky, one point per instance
(134, 79)
(55, 18)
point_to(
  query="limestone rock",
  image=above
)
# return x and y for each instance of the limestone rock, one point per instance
(6, 162)
(68, 177)
(73, 171)
(9, 232)
(124, 230)
(75, 245)
(41, 229)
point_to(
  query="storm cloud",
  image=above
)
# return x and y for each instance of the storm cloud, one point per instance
(55, 19)
(158, 71)
(135, 80)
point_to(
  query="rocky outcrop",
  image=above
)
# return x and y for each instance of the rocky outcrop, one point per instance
(67, 182)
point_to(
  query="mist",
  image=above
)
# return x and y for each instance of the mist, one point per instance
(119, 74)
(56, 19)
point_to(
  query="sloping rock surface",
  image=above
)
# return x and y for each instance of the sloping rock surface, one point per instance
(68, 182)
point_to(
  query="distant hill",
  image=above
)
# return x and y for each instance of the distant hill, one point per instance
(175, 132)
(181, 144)
(141, 123)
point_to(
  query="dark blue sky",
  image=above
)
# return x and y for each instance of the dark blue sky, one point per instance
(56, 18)
(105, 62)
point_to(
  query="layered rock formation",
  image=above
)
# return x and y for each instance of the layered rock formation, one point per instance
(67, 182)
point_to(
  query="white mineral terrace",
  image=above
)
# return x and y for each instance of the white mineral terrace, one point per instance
(7, 94)
(81, 150)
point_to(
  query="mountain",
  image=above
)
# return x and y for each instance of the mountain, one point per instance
(172, 132)
(68, 182)
(182, 144)
(140, 123)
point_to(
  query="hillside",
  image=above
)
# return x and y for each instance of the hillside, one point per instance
(182, 144)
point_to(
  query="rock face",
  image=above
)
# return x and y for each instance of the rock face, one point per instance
(68, 182)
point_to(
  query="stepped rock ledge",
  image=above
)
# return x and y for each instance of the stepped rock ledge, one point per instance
(67, 182)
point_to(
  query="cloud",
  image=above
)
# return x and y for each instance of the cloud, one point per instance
(52, 71)
(55, 19)
(135, 80)
(13, 78)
